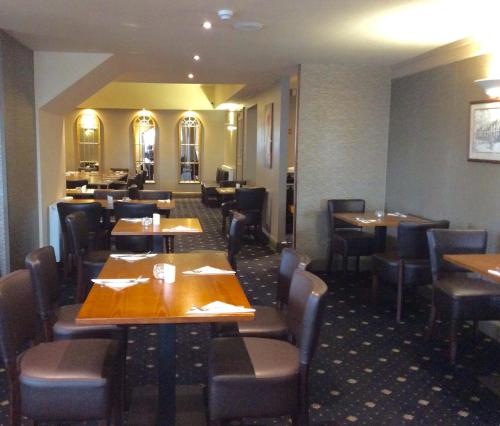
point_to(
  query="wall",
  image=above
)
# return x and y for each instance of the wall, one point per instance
(342, 145)
(428, 173)
(18, 146)
(292, 117)
(117, 145)
(250, 145)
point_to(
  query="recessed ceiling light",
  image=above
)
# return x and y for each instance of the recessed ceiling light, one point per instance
(191, 76)
(248, 26)
(207, 25)
(196, 57)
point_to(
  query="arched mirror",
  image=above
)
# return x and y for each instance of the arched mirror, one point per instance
(145, 129)
(190, 139)
(88, 136)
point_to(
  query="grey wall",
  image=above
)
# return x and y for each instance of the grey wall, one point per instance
(428, 173)
(250, 147)
(18, 146)
(342, 145)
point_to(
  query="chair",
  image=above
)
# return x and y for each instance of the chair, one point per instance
(269, 321)
(118, 185)
(58, 322)
(72, 184)
(347, 240)
(89, 262)
(258, 377)
(117, 194)
(119, 169)
(63, 381)
(93, 212)
(134, 243)
(133, 192)
(455, 296)
(152, 194)
(407, 268)
(248, 201)
(231, 183)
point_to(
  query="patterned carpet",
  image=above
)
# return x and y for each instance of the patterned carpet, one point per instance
(368, 370)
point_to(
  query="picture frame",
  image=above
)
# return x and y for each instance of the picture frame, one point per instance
(484, 137)
(268, 135)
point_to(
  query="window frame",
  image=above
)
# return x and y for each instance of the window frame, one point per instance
(141, 115)
(198, 147)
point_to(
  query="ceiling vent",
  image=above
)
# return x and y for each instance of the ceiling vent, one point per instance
(225, 14)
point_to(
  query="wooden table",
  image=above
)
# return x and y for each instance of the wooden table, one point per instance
(380, 225)
(160, 204)
(96, 178)
(479, 263)
(123, 228)
(166, 305)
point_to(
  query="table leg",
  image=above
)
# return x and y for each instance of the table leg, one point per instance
(171, 245)
(166, 375)
(380, 237)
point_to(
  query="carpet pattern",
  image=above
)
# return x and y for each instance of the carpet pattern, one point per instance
(368, 370)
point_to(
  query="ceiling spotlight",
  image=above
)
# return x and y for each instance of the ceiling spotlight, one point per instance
(207, 25)
(191, 76)
(225, 14)
(196, 57)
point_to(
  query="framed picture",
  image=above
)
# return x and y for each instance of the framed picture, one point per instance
(484, 141)
(268, 135)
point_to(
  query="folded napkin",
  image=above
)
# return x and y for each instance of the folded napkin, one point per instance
(397, 214)
(218, 307)
(209, 270)
(179, 228)
(132, 220)
(119, 283)
(132, 257)
(365, 220)
(494, 272)
(164, 201)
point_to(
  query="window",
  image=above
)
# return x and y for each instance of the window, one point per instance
(190, 134)
(88, 136)
(144, 144)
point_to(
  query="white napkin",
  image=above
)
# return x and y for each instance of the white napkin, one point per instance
(119, 283)
(397, 214)
(132, 220)
(209, 270)
(218, 307)
(132, 257)
(164, 201)
(179, 228)
(365, 220)
(494, 272)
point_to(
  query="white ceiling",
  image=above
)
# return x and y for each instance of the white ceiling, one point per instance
(158, 38)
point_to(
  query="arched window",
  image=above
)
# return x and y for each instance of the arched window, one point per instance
(88, 136)
(190, 135)
(144, 144)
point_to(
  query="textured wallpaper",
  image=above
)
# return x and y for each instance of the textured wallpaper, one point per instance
(342, 144)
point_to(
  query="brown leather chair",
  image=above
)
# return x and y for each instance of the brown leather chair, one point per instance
(347, 240)
(257, 377)
(89, 262)
(455, 296)
(58, 322)
(153, 194)
(63, 381)
(136, 244)
(407, 268)
(269, 321)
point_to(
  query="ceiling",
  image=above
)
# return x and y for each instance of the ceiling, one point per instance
(158, 38)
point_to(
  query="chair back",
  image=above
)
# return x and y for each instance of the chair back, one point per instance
(453, 241)
(412, 238)
(235, 240)
(42, 265)
(72, 184)
(117, 194)
(118, 185)
(133, 210)
(250, 198)
(78, 233)
(343, 206)
(290, 260)
(152, 194)
(231, 183)
(305, 308)
(93, 212)
(17, 315)
(133, 192)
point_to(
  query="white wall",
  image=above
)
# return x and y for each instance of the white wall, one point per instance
(342, 145)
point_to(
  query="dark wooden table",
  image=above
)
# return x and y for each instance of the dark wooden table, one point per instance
(480, 263)
(155, 302)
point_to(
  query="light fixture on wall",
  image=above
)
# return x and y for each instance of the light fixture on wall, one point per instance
(491, 86)
(231, 121)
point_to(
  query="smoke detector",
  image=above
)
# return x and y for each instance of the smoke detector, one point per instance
(225, 14)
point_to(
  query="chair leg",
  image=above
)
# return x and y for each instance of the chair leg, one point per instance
(345, 259)
(330, 259)
(399, 301)
(475, 330)
(453, 340)
(375, 289)
(357, 268)
(80, 284)
(431, 324)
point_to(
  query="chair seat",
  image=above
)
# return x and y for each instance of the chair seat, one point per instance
(269, 322)
(462, 297)
(416, 271)
(66, 327)
(353, 243)
(252, 377)
(54, 375)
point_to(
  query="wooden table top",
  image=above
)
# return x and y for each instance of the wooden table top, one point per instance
(386, 221)
(156, 302)
(226, 190)
(160, 205)
(134, 228)
(479, 263)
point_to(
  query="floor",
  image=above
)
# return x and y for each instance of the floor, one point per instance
(368, 370)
